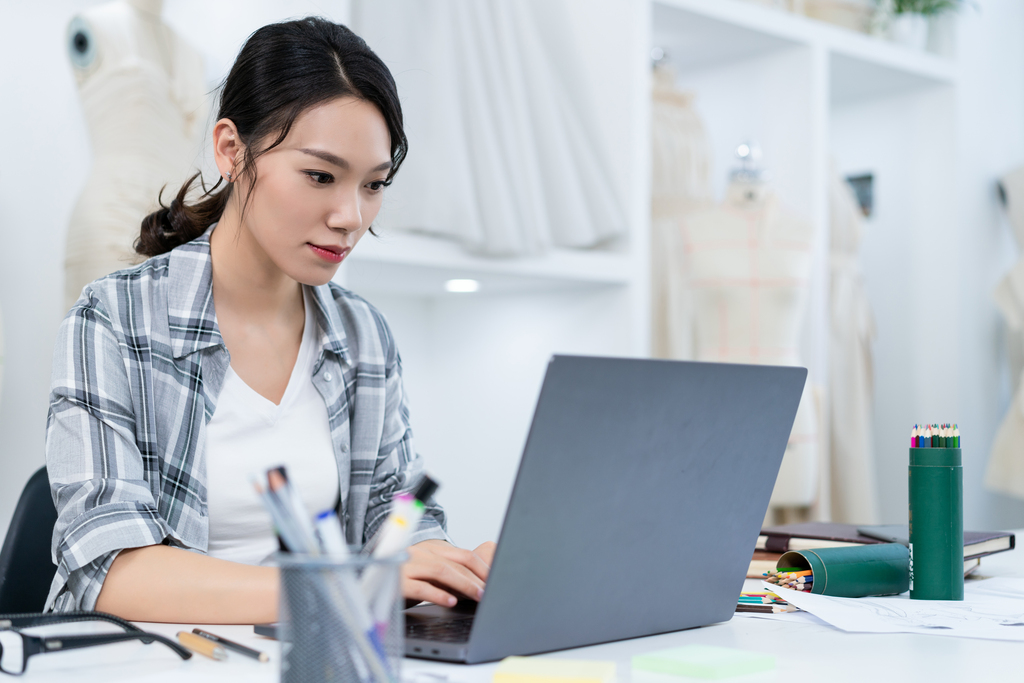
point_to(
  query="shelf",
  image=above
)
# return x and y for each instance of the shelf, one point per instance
(699, 35)
(706, 33)
(888, 70)
(407, 263)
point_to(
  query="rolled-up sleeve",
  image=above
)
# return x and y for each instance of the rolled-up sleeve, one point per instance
(399, 468)
(96, 471)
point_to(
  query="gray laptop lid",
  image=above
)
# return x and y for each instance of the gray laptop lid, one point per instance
(638, 502)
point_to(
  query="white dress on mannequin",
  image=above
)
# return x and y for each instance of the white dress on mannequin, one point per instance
(748, 264)
(143, 94)
(680, 183)
(851, 330)
(1006, 462)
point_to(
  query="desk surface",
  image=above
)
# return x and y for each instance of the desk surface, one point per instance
(805, 650)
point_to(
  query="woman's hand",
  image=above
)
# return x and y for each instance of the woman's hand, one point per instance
(439, 572)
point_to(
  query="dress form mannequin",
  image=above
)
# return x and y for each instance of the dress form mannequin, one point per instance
(748, 263)
(851, 330)
(680, 183)
(143, 94)
(1006, 463)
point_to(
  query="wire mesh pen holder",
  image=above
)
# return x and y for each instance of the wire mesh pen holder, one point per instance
(332, 629)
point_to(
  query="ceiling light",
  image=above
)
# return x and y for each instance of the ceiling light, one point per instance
(462, 286)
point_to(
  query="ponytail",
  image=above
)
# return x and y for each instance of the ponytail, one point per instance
(174, 225)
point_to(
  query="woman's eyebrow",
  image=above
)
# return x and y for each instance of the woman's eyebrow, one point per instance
(338, 161)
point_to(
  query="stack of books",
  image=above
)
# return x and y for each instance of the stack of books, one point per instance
(776, 540)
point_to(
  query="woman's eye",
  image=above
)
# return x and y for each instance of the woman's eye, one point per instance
(320, 178)
(378, 185)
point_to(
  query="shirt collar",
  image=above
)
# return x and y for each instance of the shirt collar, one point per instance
(332, 329)
(192, 320)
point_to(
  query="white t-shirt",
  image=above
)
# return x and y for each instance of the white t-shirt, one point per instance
(248, 435)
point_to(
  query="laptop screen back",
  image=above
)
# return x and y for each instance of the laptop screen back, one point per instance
(639, 497)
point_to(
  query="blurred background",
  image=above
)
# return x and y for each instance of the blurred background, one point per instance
(831, 183)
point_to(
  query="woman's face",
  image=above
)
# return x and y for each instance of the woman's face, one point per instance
(318, 191)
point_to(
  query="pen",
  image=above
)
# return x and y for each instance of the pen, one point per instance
(280, 518)
(278, 485)
(232, 645)
(202, 645)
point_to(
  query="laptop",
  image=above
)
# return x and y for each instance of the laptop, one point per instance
(640, 494)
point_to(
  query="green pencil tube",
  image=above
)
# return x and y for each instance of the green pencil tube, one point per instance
(854, 572)
(936, 482)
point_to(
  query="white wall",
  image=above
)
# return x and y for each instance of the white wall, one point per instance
(924, 264)
(473, 366)
(991, 137)
(44, 160)
(904, 246)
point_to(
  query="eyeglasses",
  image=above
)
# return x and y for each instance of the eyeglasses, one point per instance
(16, 647)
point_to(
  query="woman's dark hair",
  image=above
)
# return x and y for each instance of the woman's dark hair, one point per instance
(283, 70)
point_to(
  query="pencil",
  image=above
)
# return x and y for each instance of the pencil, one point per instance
(202, 646)
(232, 645)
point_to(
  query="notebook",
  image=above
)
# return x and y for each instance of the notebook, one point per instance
(808, 535)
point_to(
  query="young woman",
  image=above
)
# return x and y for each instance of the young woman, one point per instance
(230, 351)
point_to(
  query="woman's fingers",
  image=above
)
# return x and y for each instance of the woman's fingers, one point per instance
(485, 551)
(419, 591)
(441, 565)
(466, 558)
(450, 576)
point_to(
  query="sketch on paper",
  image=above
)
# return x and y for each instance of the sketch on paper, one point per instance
(991, 609)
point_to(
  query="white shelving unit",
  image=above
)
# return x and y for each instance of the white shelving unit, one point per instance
(805, 90)
(419, 265)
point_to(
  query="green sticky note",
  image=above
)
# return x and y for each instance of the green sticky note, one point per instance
(704, 661)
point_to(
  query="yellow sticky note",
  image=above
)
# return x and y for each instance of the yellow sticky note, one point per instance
(542, 670)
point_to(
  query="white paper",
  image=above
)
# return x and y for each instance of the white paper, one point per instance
(991, 608)
(799, 617)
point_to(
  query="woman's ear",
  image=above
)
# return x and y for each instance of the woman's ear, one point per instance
(227, 149)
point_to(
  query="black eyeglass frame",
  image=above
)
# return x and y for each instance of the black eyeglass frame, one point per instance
(30, 619)
(34, 645)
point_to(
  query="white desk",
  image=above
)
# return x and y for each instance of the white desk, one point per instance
(805, 652)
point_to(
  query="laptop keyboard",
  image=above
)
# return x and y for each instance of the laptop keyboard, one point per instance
(444, 631)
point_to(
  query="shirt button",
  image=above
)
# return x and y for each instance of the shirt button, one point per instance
(327, 376)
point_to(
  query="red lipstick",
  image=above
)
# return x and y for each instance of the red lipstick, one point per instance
(328, 253)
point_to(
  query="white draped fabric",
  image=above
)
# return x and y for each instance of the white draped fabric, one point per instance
(505, 153)
(1006, 463)
(851, 379)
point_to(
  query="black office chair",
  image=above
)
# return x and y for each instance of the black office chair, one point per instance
(25, 567)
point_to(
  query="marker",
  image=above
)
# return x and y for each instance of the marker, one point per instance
(232, 645)
(332, 541)
(398, 528)
(328, 528)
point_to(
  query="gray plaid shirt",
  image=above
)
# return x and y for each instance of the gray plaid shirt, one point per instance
(137, 368)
